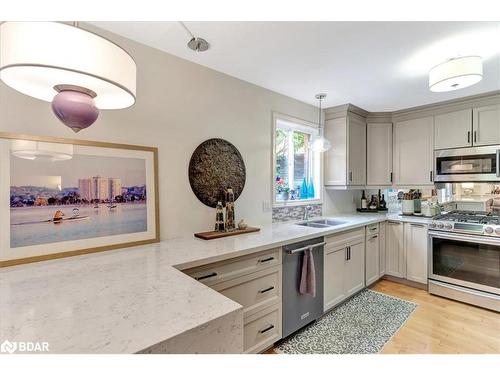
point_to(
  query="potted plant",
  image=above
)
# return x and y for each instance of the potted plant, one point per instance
(282, 189)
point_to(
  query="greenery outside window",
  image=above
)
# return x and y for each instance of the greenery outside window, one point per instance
(296, 167)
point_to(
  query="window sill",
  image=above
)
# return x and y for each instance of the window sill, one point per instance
(292, 203)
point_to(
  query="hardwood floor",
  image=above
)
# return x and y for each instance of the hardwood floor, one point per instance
(440, 325)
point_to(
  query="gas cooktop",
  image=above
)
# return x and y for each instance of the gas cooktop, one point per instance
(477, 222)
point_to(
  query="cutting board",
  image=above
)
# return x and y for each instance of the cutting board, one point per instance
(213, 235)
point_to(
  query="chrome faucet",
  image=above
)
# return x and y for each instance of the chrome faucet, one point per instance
(306, 212)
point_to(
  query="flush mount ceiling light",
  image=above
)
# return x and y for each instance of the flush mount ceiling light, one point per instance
(320, 143)
(34, 150)
(78, 71)
(456, 74)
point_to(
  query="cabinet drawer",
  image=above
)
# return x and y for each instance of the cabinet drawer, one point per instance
(254, 291)
(344, 238)
(371, 229)
(261, 330)
(230, 269)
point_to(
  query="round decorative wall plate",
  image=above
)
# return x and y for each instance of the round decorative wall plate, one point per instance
(216, 165)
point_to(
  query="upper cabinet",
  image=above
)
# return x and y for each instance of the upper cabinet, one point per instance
(486, 124)
(345, 162)
(453, 130)
(379, 154)
(413, 152)
(478, 126)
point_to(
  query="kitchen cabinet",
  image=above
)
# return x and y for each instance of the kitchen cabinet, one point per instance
(381, 242)
(344, 266)
(345, 162)
(453, 129)
(415, 243)
(414, 152)
(395, 262)
(372, 259)
(486, 125)
(379, 154)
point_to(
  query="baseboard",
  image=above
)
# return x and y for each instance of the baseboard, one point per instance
(405, 282)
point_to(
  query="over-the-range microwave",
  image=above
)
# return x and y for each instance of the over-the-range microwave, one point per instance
(468, 164)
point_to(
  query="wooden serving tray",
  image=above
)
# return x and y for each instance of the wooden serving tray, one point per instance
(213, 235)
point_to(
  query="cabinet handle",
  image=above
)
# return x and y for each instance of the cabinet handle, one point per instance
(391, 176)
(266, 329)
(346, 254)
(266, 290)
(417, 225)
(475, 136)
(266, 260)
(206, 276)
(350, 176)
(393, 222)
(373, 237)
(430, 176)
(468, 137)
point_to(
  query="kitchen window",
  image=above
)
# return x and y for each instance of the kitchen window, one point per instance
(296, 167)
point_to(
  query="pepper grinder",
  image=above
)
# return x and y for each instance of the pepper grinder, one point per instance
(230, 224)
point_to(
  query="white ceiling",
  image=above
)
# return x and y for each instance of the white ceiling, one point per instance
(379, 66)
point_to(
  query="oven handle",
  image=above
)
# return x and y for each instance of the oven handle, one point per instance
(465, 237)
(498, 162)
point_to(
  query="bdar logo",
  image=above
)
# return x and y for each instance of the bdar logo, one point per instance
(8, 347)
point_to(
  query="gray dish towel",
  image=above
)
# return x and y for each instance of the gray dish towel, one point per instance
(308, 276)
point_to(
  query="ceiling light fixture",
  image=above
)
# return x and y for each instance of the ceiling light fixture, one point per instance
(456, 74)
(320, 143)
(195, 43)
(34, 150)
(78, 71)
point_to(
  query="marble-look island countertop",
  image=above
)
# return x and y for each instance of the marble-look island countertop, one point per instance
(128, 300)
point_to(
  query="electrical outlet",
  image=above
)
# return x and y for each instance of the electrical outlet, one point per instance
(266, 206)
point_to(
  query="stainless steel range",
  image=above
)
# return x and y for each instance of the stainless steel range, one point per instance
(464, 257)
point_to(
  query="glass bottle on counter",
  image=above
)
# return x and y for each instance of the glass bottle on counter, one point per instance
(364, 201)
(219, 218)
(230, 217)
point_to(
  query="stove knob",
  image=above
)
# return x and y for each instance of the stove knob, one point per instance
(448, 226)
(440, 225)
(497, 231)
(433, 225)
(488, 230)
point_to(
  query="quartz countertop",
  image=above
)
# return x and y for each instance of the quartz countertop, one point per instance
(126, 300)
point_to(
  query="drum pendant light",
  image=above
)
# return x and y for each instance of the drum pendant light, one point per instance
(79, 72)
(320, 143)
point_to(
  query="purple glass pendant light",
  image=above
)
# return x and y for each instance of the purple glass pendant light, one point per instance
(75, 107)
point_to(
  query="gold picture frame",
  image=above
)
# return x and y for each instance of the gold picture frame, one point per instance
(106, 153)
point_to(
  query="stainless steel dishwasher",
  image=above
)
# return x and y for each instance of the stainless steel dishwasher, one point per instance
(301, 309)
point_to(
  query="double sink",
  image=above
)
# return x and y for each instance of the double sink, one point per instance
(323, 223)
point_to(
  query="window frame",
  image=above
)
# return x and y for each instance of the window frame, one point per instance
(306, 127)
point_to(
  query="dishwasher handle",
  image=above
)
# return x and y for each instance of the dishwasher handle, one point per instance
(309, 247)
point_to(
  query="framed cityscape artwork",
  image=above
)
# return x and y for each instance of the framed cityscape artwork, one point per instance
(63, 197)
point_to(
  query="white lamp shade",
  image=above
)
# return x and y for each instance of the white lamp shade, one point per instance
(36, 56)
(456, 74)
(32, 150)
(321, 144)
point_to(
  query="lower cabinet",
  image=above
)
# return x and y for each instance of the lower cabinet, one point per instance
(382, 244)
(254, 281)
(395, 263)
(406, 251)
(416, 252)
(372, 264)
(344, 262)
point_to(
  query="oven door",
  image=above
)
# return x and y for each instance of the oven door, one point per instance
(466, 260)
(468, 164)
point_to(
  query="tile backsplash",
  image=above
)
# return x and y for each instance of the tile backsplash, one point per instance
(287, 213)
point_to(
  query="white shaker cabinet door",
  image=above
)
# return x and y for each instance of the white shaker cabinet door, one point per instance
(356, 163)
(333, 288)
(416, 252)
(372, 259)
(382, 245)
(453, 129)
(414, 152)
(379, 154)
(486, 124)
(395, 263)
(354, 273)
